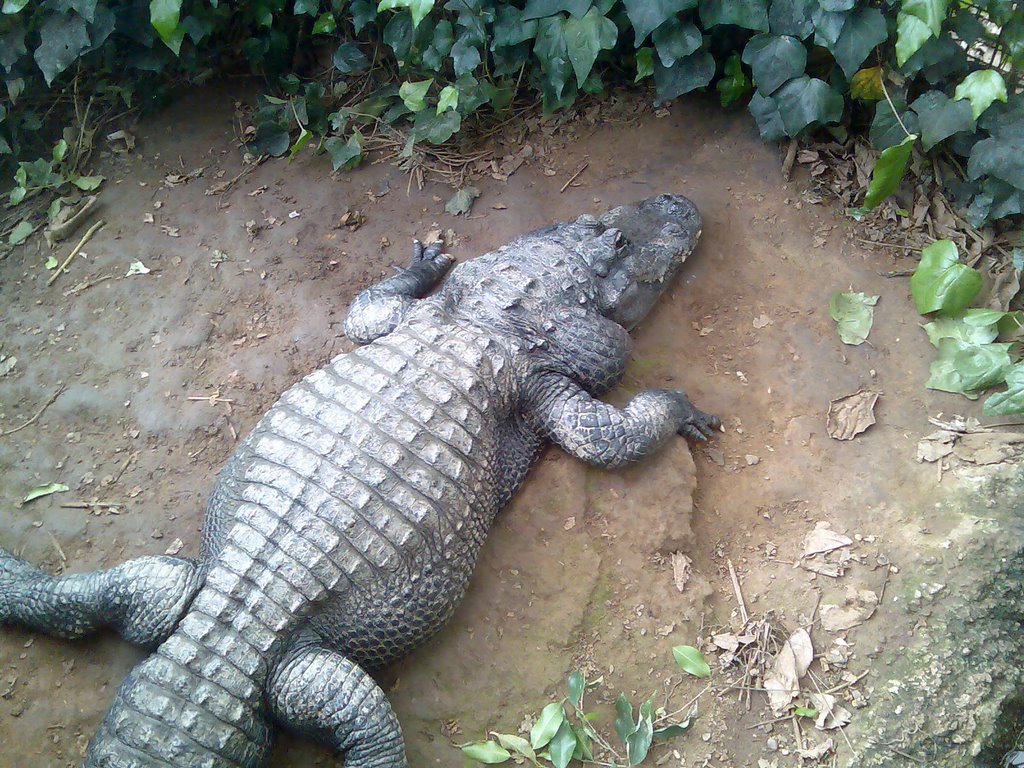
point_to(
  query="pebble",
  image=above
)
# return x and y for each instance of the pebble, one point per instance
(772, 744)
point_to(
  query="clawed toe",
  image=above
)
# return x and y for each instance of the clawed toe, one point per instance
(699, 426)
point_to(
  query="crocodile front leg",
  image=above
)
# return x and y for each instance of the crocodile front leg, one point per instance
(323, 695)
(142, 599)
(604, 435)
(379, 309)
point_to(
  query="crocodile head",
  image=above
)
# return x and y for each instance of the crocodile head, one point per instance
(640, 249)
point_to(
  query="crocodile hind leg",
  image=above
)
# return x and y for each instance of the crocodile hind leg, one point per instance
(323, 695)
(142, 599)
(380, 308)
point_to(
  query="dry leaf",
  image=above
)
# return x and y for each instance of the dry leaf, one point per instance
(823, 539)
(935, 446)
(859, 606)
(762, 321)
(818, 751)
(830, 714)
(988, 447)
(850, 415)
(782, 682)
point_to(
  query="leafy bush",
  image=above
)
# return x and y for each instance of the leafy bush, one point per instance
(923, 73)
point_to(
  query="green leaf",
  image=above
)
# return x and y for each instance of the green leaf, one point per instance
(854, 313)
(773, 60)
(62, 40)
(585, 38)
(363, 13)
(516, 744)
(551, 718)
(750, 14)
(805, 712)
(886, 131)
(638, 743)
(911, 34)
(17, 195)
(300, 142)
(414, 94)
(623, 718)
(647, 15)
(465, 55)
(584, 750)
(981, 88)
(676, 40)
(644, 64)
(866, 84)
(462, 201)
(447, 99)
(539, 9)
(164, 16)
(968, 368)
(562, 745)
(550, 48)
(348, 58)
(434, 128)
(863, 29)
(941, 117)
(44, 490)
(60, 149)
(941, 283)
(691, 661)
(21, 232)
(807, 101)
(888, 171)
(931, 12)
(792, 17)
(418, 8)
(734, 84)
(576, 685)
(1012, 400)
(306, 7)
(975, 326)
(14, 6)
(325, 24)
(87, 183)
(677, 729)
(487, 752)
(1001, 156)
(683, 76)
(345, 154)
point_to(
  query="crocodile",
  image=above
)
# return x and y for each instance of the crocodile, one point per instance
(343, 530)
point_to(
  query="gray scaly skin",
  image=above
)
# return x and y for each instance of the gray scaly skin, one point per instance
(343, 531)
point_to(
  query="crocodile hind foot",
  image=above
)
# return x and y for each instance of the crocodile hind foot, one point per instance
(327, 697)
(142, 599)
(697, 425)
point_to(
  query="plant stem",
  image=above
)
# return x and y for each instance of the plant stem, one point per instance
(895, 112)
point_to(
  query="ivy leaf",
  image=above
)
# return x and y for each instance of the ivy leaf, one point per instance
(447, 99)
(488, 752)
(911, 34)
(773, 60)
(87, 183)
(981, 88)
(585, 38)
(836, 6)
(691, 660)
(462, 201)
(734, 84)
(684, 75)
(623, 718)
(750, 14)
(348, 58)
(510, 28)
(63, 38)
(434, 128)
(888, 171)
(418, 8)
(866, 84)
(807, 101)
(547, 725)
(307, 7)
(363, 13)
(792, 17)
(14, 6)
(21, 232)
(415, 94)
(1001, 157)
(941, 117)
(968, 368)
(975, 326)
(886, 131)
(931, 12)
(765, 110)
(465, 55)
(854, 314)
(647, 15)
(562, 745)
(1012, 400)
(644, 64)
(638, 743)
(941, 282)
(325, 24)
(550, 48)
(345, 154)
(828, 26)
(540, 9)
(863, 30)
(676, 40)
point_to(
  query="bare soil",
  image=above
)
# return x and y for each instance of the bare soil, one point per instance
(577, 572)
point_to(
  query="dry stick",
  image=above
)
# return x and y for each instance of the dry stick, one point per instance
(39, 413)
(92, 505)
(787, 164)
(574, 177)
(848, 683)
(74, 251)
(738, 591)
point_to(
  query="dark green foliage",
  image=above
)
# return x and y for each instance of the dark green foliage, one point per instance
(463, 56)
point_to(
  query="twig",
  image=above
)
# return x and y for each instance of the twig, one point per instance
(244, 172)
(844, 686)
(92, 505)
(904, 754)
(74, 251)
(83, 286)
(895, 112)
(574, 177)
(39, 413)
(738, 591)
(897, 273)
(770, 722)
(56, 544)
(787, 164)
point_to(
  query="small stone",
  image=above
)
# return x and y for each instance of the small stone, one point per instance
(772, 744)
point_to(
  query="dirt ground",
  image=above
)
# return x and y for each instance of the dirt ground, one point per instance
(577, 573)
